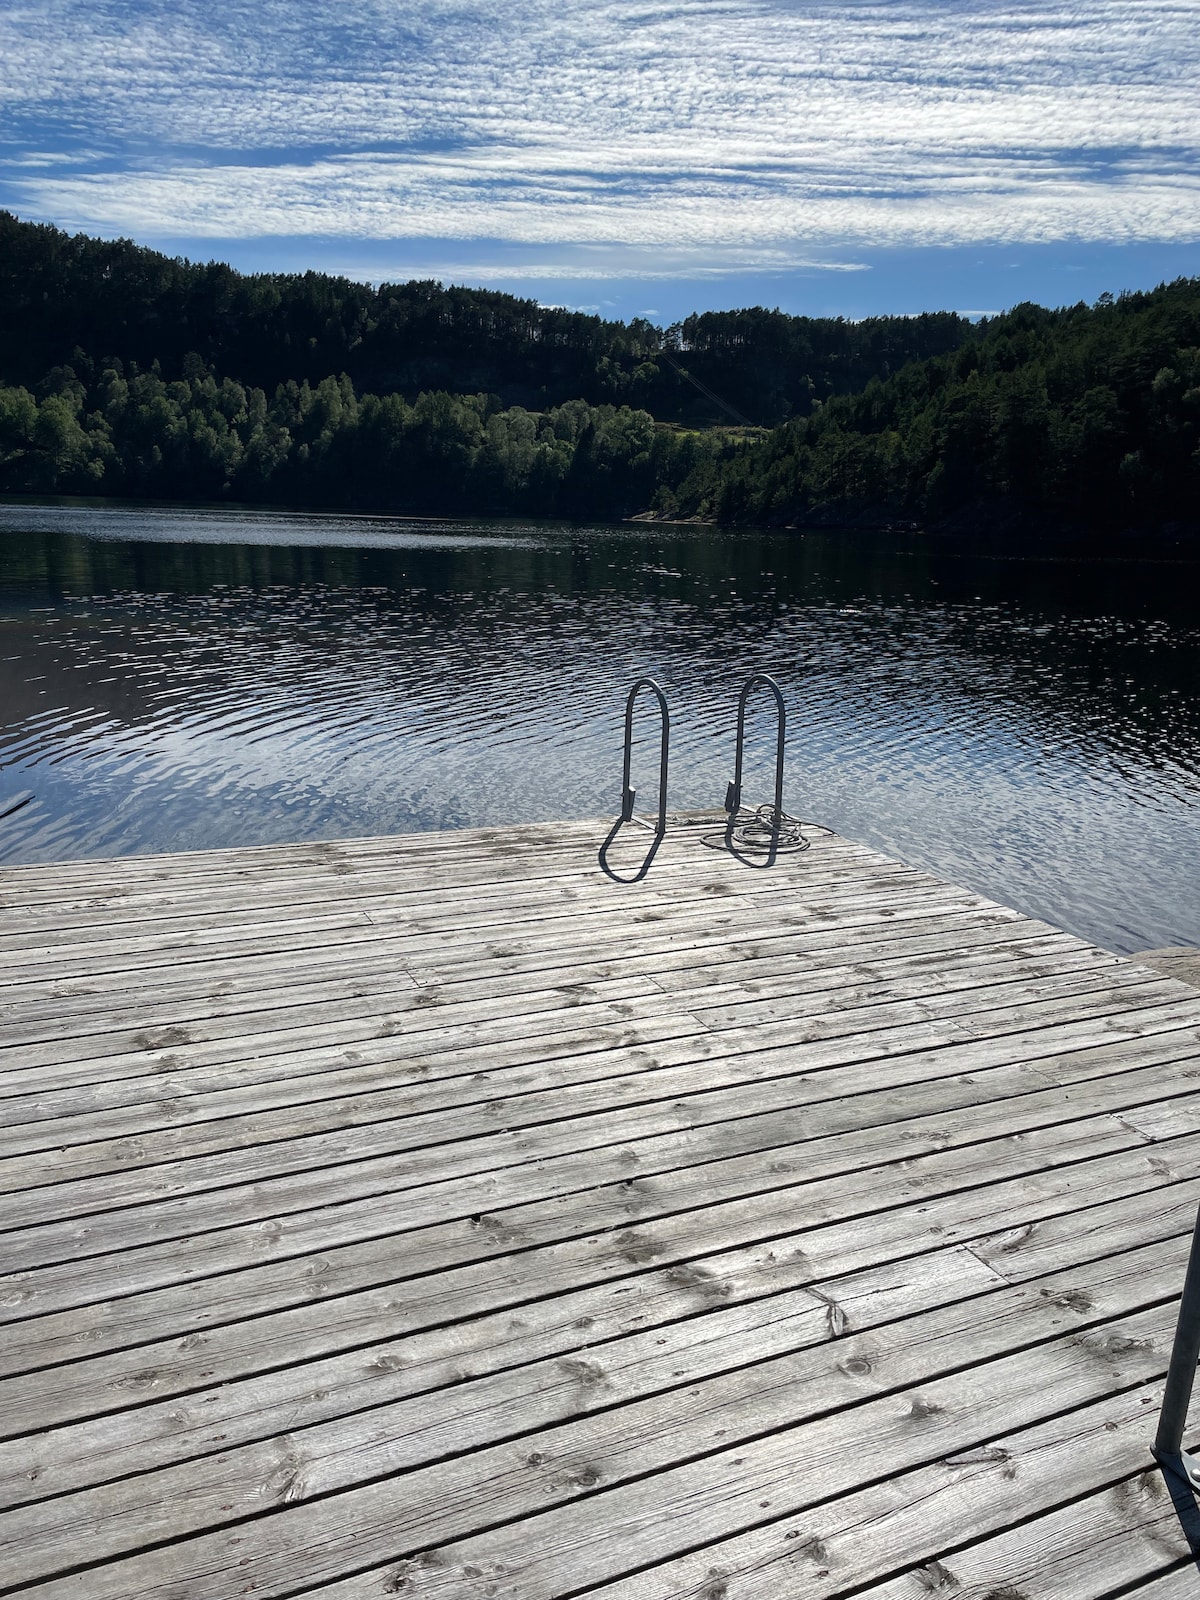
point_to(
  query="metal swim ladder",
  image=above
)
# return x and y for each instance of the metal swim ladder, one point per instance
(658, 825)
(1168, 1448)
(747, 832)
(733, 791)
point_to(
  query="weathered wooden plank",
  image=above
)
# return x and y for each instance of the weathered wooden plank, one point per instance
(450, 1274)
(306, 1212)
(482, 880)
(122, 1055)
(1180, 1583)
(431, 899)
(867, 916)
(524, 842)
(328, 1062)
(736, 1276)
(495, 933)
(759, 1088)
(452, 1271)
(516, 952)
(182, 903)
(406, 1266)
(424, 1068)
(88, 1051)
(387, 1438)
(1160, 1121)
(1096, 1546)
(900, 1522)
(526, 839)
(594, 932)
(561, 1322)
(708, 1356)
(235, 1049)
(339, 1166)
(829, 1550)
(642, 928)
(751, 1449)
(146, 1436)
(501, 840)
(44, 1008)
(45, 899)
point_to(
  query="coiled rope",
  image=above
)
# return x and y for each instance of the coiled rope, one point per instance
(760, 830)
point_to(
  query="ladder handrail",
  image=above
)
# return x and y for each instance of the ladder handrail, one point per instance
(1168, 1448)
(733, 791)
(629, 793)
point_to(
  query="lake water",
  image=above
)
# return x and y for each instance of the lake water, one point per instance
(1026, 724)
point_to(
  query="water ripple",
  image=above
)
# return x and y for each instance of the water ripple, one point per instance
(1029, 728)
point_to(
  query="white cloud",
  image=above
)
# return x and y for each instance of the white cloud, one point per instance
(753, 128)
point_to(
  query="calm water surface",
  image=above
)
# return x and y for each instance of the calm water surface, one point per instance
(1028, 725)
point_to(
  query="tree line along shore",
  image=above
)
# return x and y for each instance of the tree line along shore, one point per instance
(129, 373)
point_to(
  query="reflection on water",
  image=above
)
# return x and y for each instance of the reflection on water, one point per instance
(1026, 726)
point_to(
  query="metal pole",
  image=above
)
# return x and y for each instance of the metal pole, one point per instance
(733, 791)
(629, 794)
(1181, 1375)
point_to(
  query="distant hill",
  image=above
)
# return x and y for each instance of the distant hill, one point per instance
(127, 372)
(73, 300)
(1090, 413)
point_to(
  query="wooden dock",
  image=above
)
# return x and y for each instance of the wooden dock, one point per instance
(431, 1216)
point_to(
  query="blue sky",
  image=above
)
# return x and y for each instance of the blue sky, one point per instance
(627, 156)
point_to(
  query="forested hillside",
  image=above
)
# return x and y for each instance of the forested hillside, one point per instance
(71, 300)
(1089, 413)
(126, 372)
(203, 438)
